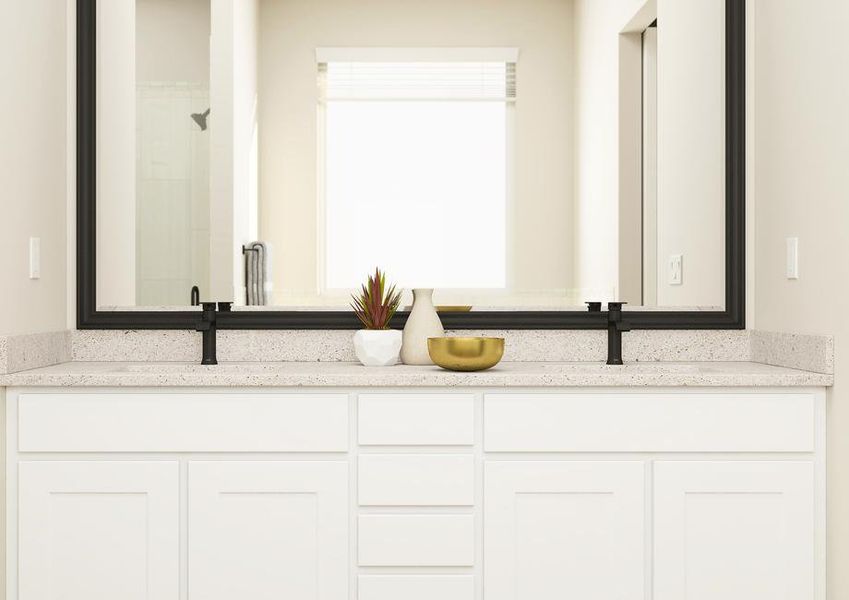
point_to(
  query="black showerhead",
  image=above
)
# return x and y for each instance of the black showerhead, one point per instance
(200, 119)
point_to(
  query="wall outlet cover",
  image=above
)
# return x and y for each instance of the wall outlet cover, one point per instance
(676, 269)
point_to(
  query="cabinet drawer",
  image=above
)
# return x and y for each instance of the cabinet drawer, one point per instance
(416, 480)
(649, 422)
(173, 422)
(416, 587)
(416, 540)
(416, 419)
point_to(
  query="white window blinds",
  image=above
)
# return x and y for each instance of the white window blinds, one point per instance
(420, 80)
(422, 133)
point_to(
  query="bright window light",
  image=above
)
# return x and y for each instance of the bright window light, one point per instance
(416, 176)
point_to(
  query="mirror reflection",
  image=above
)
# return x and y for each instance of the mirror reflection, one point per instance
(512, 154)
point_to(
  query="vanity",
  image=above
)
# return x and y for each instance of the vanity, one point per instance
(525, 159)
(331, 481)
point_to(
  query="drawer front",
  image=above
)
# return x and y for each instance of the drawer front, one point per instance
(173, 422)
(416, 419)
(416, 541)
(416, 587)
(650, 422)
(416, 480)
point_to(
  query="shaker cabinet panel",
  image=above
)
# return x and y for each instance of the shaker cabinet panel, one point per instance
(555, 530)
(267, 529)
(98, 531)
(734, 530)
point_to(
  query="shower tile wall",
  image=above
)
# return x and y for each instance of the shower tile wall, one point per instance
(172, 194)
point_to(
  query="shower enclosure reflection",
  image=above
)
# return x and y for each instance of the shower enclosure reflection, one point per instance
(172, 194)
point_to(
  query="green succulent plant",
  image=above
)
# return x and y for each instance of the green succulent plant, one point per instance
(375, 305)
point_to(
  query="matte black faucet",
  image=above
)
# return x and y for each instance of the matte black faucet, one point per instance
(208, 326)
(615, 326)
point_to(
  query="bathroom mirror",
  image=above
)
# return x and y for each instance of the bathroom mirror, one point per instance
(521, 157)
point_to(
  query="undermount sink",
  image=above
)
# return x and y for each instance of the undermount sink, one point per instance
(636, 367)
(198, 368)
(275, 367)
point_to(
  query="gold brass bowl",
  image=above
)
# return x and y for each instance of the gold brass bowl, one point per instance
(465, 353)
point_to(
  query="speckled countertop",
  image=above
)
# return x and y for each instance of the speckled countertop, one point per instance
(342, 374)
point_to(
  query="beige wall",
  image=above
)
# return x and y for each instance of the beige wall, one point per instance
(33, 134)
(233, 97)
(633, 160)
(177, 36)
(597, 28)
(690, 143)
(691, 150)
(801, 168)
(541, 29)
(245, 137)
(116, 169)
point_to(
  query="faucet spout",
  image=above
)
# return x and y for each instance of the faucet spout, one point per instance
(615, 326)
(208, 327)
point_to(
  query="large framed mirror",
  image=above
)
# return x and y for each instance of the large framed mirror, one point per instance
(521, 157)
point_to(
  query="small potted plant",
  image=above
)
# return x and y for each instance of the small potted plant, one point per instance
(376, 345)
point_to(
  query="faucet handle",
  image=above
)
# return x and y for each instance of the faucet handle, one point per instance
(615, 305)
(208, 306)
(593, 306)
(225, 306)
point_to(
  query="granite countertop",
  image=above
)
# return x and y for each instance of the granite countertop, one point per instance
(341, 374)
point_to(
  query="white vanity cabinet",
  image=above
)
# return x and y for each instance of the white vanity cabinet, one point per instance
(268, 529)
(564, 529)
(680, 495)
(161, 495)
(97, 529)
(728, 529)
(381, 494)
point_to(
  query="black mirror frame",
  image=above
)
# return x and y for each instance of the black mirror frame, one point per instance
(733, 317)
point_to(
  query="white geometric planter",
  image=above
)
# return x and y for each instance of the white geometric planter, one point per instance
(378, 348)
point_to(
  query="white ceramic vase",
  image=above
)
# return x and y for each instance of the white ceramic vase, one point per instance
(377, 347)
(423, 323)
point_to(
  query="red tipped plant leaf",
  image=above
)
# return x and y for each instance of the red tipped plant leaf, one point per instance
(374, 306)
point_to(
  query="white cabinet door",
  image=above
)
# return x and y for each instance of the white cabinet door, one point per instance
(562, 530)
(98, 531)
(734, 530)
(268, 530)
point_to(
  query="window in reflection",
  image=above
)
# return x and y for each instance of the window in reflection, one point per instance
(415, 171)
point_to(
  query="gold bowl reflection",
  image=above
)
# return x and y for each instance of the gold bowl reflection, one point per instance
(444, 308)
(465, 353)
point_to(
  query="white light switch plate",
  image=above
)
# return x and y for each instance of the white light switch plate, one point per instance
(792, 258)
(676, 269)
(34, 258)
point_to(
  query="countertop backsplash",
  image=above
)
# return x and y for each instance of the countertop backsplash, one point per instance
(806, 352)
